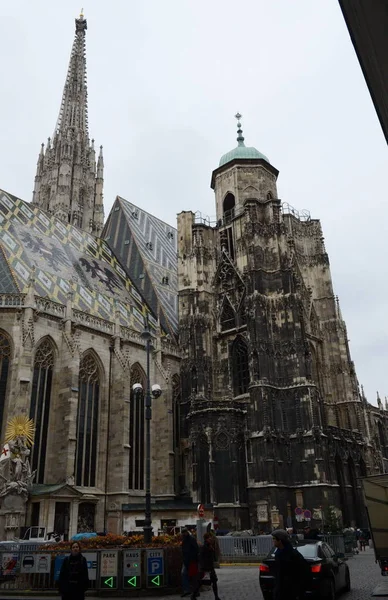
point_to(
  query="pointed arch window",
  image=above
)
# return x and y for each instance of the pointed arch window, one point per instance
(228, 317)
(176, 402)
(40, 404)
(136, 431)
(87, 422)
(240, 366)
(5, 356)
(228, 208)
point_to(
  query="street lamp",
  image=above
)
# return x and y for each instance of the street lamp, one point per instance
(155, 391)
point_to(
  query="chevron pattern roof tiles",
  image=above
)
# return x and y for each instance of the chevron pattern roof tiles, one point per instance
(65, 258)
(148, 248)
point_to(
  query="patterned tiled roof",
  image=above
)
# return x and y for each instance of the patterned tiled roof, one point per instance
(147, 249)
(7, 281)
(65, 259)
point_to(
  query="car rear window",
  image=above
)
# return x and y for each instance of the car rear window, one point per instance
(308, 550)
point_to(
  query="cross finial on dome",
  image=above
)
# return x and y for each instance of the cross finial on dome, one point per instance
(240, 137)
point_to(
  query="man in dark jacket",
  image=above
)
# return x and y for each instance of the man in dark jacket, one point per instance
(189, 559)
(292, 570)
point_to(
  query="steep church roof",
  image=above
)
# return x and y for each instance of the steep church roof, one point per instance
(147, 249)
(62, 259)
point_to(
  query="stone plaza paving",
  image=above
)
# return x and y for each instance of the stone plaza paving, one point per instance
(242, 583)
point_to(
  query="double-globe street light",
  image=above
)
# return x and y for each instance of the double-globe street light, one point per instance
(150, 392)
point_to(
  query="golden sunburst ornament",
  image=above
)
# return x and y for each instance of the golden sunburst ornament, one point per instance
(20, 426)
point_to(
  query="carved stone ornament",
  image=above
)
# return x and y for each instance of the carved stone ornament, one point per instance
(262, 512)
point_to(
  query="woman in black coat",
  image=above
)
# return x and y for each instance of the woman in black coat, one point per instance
(292, 571)
(74, 577)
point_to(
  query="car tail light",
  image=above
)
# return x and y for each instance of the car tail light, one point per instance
(316, 568)
(385, 568)
(264, 569)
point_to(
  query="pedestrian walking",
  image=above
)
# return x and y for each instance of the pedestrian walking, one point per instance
(292, 571)
(73, 578)
(207, 560)
(190, 562)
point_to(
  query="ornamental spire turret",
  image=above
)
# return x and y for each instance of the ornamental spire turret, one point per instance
(67, 184)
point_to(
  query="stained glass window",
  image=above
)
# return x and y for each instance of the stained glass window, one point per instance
(136, 431)
(87, 422)
(240, 366)
(40, 404)
(5, 355)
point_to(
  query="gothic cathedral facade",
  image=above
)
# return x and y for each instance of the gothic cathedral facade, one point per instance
(275, 418)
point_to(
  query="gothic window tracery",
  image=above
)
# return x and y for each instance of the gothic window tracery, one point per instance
(40, 404)
(136, 431)
(5, 356)
(194, 381)
(87, 421)
(228, 317)
(176, 401)
(228, 208)
(240, 366)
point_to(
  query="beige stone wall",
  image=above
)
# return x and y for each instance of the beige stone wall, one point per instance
(115, 350)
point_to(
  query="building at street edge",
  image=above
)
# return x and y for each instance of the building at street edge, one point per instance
(261, 412)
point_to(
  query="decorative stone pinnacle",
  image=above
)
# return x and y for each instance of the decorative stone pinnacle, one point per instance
(240, 137)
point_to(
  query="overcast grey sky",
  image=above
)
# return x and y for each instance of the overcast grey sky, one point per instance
(165, 79)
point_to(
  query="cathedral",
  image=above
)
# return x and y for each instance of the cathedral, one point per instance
(261, 417)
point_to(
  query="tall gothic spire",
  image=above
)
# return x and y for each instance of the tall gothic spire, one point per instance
(68, 184)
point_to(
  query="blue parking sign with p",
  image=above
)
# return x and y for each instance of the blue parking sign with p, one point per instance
(155, 566)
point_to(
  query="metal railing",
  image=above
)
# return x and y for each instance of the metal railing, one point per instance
(245, 547)
(336, 543)
(27, 568)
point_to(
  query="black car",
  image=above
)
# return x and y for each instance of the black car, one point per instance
(329, 573)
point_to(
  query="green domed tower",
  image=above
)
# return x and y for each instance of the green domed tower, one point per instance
(243, 174)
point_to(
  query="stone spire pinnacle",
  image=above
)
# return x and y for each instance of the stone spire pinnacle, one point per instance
(74, 106)
(67, 184)
(240, 137)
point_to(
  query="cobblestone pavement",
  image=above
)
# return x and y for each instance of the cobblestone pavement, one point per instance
(242, 583)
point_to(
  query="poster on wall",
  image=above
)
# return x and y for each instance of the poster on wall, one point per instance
(35, 563)
(9, 561)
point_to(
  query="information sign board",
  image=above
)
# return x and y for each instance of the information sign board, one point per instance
(132, 569)
(155, 567)
(108, 570)
(9, 561)
(91, 559)
(35, 563)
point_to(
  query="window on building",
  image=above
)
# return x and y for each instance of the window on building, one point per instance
(176, 401)
(87, 421)
(228, 317)
(40, 404)
(269, 196)
(86, 517)
(35, 513)
(5, 356)
(194, 381)
(136, 431)
(240, 366)
(228, 208)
